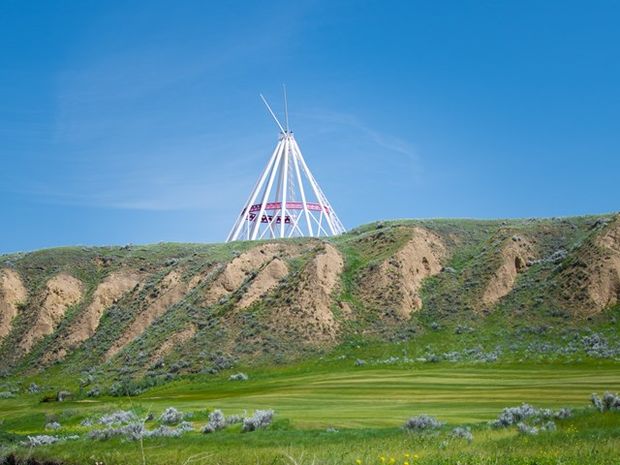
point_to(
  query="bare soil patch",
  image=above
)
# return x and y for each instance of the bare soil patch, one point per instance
(395, 283)
(266, 280)
(12, 293)
(515, 254)
(238, 270)
(308, 313)
(60, 293)
(110, 291)
(171, 290)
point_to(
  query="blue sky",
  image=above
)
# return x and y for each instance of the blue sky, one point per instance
(139, 122)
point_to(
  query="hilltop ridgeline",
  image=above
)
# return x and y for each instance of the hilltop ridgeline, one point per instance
(194, 305)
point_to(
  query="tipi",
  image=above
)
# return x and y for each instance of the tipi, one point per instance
(286, 201)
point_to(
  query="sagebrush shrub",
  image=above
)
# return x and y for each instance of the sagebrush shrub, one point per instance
(217, 421)
(513, 415)
(462, 432)
(120, 416)
(526, 416)
(563, 413)
(44, 440)
(422, 423)
(527, 429)
(234, 419)
(171, 416)
(130, 431)
(238, 377)
(164, 431)
(260, 419)
(609, 402)
(52, 425)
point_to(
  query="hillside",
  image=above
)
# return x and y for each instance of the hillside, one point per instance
(164, 354)
(142, 315)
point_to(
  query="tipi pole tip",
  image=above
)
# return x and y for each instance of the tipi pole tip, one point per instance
(285, 106)
(272, 113)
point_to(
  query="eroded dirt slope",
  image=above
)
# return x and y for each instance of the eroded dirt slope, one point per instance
(590, 281)
(111, 289)
(12, 293)
(395, 283)
(266, 280)
(308, 312)
(515, 254)
(240, 268)
(60, 292)
(169, 292)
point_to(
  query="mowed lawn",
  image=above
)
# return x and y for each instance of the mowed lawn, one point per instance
(367, 404)
(386, 397)
(361, 397)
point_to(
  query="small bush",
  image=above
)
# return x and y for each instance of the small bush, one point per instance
(164, 431)
(217, 421)
(260, 419)
(527, 429)
(45, 440)
(563, 413)
(462, 432)
(34, 388)
(185, 426)
(53, 426)
(422, 423)
(513, 415)
(6, 395)
(63, 395)
(609, 402)
(118, 417)
(131, 431)
(234, 419)
(171, 416)
(40, 440)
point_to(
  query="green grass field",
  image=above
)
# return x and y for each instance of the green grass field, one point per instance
(367, 405)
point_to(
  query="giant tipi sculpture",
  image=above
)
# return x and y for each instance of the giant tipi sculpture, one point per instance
(286, 201)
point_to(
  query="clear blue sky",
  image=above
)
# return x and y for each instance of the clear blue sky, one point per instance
(137, 122)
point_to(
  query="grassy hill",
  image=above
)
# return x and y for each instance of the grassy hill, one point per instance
(343, 338)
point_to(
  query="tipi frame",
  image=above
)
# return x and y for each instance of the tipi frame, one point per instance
(273, 209)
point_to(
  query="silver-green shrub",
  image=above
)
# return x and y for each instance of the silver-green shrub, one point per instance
(422, 423)
(260, 419)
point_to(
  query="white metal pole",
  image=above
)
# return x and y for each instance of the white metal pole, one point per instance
(284, 188)
(234, 233)
(267, 191)
(303, 193)
(315, 188)
(285, 106)
(333, 217)
(272, 114)
(278, 192)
